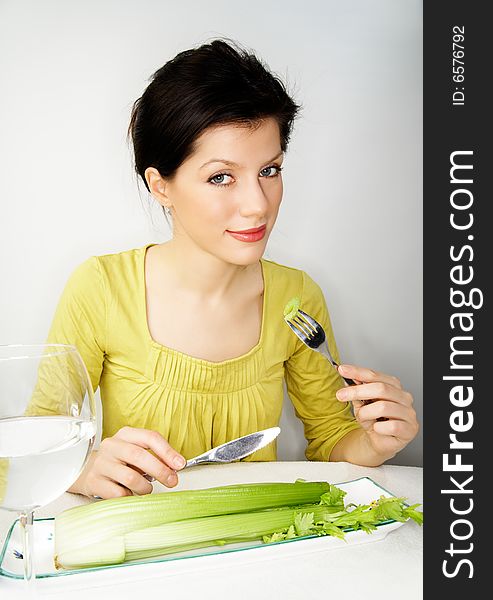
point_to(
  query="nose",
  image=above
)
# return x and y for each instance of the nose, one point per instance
(254, 201)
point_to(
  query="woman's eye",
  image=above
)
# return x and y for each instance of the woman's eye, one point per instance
(276, 169)
(271, 172)
(220, 182)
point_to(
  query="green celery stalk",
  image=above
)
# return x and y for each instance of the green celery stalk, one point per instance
(92, 524)
(188, 534)
(229, 521)
(252, 525)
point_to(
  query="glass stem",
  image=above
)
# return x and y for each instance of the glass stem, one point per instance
(26, 523)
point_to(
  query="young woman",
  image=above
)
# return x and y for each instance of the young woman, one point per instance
(186, 339)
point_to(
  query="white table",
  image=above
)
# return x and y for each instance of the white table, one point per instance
(389, 568)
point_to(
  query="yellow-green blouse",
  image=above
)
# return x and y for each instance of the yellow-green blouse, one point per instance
(194, 403)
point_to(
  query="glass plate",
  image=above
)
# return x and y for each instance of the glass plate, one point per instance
(358, 491)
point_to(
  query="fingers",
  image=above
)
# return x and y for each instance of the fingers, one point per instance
(127, 462)
(401, 430)
(380, 404)
(382, 409)
(105, 488)
(131, 479)
(152, 440)
(389, 419)
(93, 482)
(371, 391)
(143, 464)
(366, 375)
(142, 460)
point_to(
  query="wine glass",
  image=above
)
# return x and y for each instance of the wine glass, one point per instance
(47, 430)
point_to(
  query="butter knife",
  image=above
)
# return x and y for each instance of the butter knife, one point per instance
(236, 449)
(230, 451)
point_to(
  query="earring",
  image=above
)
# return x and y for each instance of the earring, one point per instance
(167, 211)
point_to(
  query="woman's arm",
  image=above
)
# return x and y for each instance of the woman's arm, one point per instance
(117, 468)
(321, 400)
(312, 382)
(81, 315)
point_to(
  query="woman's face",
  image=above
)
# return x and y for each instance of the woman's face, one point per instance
(232, 183)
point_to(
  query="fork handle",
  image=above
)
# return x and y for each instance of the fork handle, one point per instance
(346, 379)
(352, 382)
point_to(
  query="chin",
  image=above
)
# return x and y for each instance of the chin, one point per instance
(245, 256)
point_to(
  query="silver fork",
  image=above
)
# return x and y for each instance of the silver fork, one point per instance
(312, 334)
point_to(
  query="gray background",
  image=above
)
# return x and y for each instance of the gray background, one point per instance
(352, 208)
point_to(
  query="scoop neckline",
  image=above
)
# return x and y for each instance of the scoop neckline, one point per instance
(189, 357)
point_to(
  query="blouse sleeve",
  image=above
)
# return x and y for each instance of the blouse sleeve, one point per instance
(312, 382)
(80, 317)
(80, 321)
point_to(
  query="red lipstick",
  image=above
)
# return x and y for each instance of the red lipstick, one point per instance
(249, 235)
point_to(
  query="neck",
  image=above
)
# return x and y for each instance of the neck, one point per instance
(204, 275)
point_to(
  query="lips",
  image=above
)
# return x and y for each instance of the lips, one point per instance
(249, 235)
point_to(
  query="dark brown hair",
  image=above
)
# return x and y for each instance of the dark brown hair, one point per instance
(218, 83)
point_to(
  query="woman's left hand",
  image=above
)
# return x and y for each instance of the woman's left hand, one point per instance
(389, 418)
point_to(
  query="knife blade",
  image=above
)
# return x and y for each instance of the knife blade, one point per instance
(236, 449)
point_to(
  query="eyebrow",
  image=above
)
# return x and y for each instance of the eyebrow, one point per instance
(231, 163)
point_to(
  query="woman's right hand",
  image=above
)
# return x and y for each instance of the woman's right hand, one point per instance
(117, 468)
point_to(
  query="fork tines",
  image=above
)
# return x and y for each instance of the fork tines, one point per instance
(306, 327)
(308, 323)
(310, 320)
